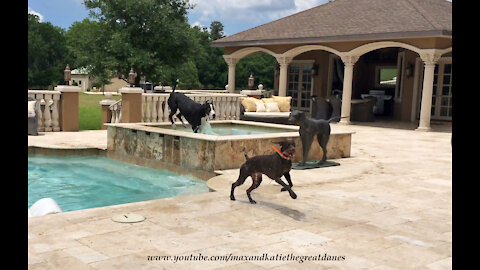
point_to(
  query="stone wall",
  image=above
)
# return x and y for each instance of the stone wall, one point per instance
(209, 155)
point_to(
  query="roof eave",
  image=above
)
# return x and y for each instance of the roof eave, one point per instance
(356, 37)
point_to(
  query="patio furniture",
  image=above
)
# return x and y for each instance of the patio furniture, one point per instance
(266, 117)
(362, 110)
(33, 120)
(321, 108)
(336, 105)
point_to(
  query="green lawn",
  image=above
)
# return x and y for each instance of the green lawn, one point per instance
(90, 111)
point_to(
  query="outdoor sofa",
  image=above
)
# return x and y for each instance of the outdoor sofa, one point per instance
(249, 111)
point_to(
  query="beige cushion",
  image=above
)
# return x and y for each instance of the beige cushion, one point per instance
(268, 100)
(31, 108)
(283, 103)
(260, 106)
(268, 114)
(272, 107)
(249, 104)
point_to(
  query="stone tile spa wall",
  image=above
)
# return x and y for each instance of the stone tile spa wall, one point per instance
(207, 152)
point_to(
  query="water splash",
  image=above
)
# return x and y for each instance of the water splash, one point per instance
(206, 128)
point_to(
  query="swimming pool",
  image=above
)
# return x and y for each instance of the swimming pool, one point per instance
(81, 182)
(229, 129)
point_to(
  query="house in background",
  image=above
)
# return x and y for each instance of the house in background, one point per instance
(81, 78)
(349, 45)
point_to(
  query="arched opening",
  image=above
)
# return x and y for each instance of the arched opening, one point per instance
(260, 65)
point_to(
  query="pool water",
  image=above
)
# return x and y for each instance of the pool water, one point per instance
(81, 182)
(232, 129)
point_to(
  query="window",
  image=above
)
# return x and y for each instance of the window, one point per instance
(386, 76)
(79, 82)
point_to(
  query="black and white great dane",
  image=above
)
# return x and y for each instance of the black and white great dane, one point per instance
(195, 113)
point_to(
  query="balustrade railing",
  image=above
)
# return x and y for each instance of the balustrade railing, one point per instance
(47, 108)
(155, 108)
(116, 109)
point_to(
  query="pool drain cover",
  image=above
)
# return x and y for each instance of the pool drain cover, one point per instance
(128, 218)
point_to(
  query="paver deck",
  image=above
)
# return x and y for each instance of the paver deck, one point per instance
(389, 206)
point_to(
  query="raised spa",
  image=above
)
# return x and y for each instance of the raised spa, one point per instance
(158, 144)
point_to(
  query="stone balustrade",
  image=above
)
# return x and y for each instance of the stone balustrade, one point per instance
(116, 112)
(47, 108)
(156, 110)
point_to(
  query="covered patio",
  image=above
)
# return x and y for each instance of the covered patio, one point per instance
(344, 45)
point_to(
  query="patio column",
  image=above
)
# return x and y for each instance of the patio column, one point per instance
(282, 84)
(232, 62)
(430, 59)
(349, 61)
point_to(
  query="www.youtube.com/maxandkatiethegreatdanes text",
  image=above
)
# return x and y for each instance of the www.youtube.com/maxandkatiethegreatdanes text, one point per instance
(246, 258)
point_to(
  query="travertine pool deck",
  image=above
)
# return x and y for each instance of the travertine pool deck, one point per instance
(388, 206)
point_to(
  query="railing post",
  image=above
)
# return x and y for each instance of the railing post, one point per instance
(55, 114)
(69, 104)
(131, 104)
(106, 113)
(39, 98)
(154, 109)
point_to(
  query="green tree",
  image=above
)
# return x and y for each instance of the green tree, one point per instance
(260, 65)
(216, 30)
(212, 69)
(152, 36)
(47, 53)
(86, 45)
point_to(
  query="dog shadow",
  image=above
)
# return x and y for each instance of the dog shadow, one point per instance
(284, 210)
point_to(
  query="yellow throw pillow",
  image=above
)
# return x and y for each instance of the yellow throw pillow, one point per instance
(283, 103)
(249, 104)
(267, 100)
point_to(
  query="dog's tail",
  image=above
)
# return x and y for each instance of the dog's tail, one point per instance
(245, 153)
(336, 117)
(175, 83)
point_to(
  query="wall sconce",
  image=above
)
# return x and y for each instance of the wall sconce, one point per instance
(409, 70)
(277, 69)
(315, 70)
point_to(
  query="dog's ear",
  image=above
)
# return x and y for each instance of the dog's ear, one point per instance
(281, 143)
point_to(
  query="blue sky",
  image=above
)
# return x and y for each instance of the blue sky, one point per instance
(236, 15)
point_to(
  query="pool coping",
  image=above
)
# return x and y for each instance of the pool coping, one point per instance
(153, 127)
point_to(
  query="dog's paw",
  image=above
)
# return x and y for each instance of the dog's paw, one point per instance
(293, 195)
(174, 126)
(283, 189)
(253, 202)
(232, 198)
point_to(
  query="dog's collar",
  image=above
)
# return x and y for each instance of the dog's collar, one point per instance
(280, 153)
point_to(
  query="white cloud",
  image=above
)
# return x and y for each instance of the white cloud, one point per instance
(197, 23)
(31, 11)
(257, 11)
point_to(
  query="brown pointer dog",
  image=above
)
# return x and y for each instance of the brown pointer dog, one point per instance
(273, 166)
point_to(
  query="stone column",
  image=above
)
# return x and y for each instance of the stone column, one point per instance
(232, 63)
(349, 61)
(131, 104)
(430, 59)
(282, 84)
(106, 113)
(69, 105)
